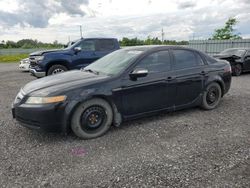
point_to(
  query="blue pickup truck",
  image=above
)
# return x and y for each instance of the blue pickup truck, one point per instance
(79, 55)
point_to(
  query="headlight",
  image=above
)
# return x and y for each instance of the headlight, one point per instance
(39, 58)
(26, 61)
(45, 100)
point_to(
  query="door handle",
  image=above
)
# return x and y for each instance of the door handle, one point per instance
(170, 78)
(203, 73)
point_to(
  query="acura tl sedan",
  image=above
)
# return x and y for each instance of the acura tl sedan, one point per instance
(126, 84)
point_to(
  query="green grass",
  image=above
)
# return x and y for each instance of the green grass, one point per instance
(12, 58)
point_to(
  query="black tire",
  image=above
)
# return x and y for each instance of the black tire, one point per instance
(211, 97)
(92, 119)
(56, 69)
(237, 70)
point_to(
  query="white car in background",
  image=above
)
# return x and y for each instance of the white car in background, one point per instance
(24, 64)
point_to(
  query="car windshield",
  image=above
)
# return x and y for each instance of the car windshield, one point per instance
(237, 52)
(114, 63)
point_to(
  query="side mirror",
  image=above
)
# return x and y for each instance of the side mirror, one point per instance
(77, 49)
(138, 73)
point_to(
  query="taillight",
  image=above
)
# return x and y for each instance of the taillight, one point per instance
(228, 69)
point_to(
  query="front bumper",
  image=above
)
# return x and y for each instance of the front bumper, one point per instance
(24, 67)
(33, 72)
(48, 117)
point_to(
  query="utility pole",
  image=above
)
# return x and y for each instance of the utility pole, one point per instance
(162, 35)
(81, 31)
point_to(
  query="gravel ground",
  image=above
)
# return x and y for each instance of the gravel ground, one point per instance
(189, 148)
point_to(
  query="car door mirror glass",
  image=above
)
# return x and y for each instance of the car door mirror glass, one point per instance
(77, 49)
(138, 73)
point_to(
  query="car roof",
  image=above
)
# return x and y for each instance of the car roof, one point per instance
(147, 48)
(98, 38)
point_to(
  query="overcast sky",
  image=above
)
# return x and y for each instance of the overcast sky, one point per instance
(49, 20)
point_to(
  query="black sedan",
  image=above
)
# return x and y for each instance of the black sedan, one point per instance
(126, 84)
(239, 59)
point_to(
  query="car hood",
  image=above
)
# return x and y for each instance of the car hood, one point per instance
(62, 82)
(226, 56)
(38, 53)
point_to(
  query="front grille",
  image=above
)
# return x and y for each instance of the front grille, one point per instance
(33, 62)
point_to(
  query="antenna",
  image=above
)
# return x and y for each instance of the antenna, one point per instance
(162, 35)
(81, 31)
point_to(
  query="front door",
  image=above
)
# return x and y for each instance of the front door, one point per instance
(151, 92)
(86, 56)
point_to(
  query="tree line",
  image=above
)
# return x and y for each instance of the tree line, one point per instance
(149, 41)
(29, 43)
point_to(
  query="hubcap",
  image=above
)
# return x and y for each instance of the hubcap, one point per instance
(212, 95)
(93, 118)
(56, 71)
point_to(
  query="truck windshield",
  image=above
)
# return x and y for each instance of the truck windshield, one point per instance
(237, 52)
(114, 63)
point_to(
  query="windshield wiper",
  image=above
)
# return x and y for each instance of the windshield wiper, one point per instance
(92, 71)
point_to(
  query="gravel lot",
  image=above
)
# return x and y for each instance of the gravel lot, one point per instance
(189, 148)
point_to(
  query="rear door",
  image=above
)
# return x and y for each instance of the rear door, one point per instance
(189, 76)
(87, 54)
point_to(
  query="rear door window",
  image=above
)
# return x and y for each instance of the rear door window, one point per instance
(105, 45)
(185, 59)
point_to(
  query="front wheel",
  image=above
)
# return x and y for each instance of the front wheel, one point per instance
(92, 119)
(211, 97)
(56, 69)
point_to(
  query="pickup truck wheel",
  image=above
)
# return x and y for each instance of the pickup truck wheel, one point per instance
(237, 70)
(92, 119)
(55, 69)
(211, 97)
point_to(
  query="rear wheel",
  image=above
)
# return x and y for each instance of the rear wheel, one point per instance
(211, 97)
(56, 69)
(92, 119)
(237, 70)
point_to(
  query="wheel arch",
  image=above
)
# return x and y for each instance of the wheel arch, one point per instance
(58, 62)
(220, 82)
(70, 109)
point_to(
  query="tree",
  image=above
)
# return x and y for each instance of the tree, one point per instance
(227, 32)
